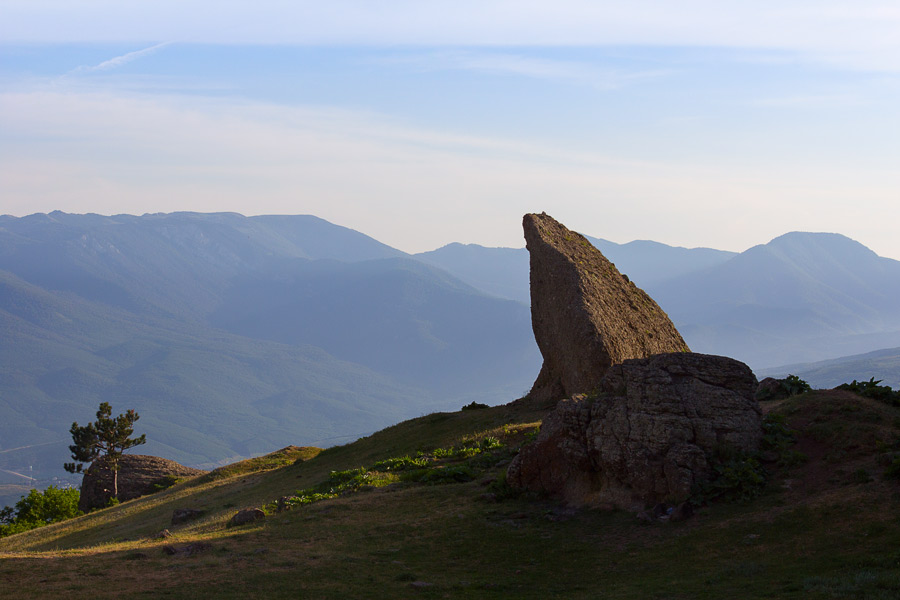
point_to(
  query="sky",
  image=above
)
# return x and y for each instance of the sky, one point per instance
(423, 122)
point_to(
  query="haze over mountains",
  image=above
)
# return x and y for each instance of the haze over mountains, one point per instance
(233, 336)
(801, 297)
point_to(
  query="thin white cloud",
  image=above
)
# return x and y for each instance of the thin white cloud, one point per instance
(845, 33)
(504, 63)
(118, 61)
(810, 101)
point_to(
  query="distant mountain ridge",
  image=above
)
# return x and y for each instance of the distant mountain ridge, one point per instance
(801, 297)
(232, 335)
(503, 272)
(882, 365)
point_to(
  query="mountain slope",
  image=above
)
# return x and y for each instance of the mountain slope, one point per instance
(802, 296)
(824, 527)
(649, 263)
(881, 365)
(172, 264)
(503, 272)
(204, 396)
(415, 323)
(233, 335)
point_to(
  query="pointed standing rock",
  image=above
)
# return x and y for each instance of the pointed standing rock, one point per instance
(586, 315)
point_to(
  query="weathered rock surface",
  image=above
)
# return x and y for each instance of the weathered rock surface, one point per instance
(647, 437)
(586, 315)
(247, 515)
(138, 475)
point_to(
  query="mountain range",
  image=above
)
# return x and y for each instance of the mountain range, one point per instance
(234, 335)
(802, 297)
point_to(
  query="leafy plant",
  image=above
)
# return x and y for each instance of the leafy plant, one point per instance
(40, 508)
(401, 463)
(475, 406)
(738, 478)
(778, 439)
(872, 389)
(166, 482)
(439, 475)
(782, 388)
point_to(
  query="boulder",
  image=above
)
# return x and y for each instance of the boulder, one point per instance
(646, 436)
(586, 315)
(247, 515)
(138, 475)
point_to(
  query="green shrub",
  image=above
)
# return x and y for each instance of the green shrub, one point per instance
(401, 463)
(872, 389)
(475, 406)
(40, 508)
(166, 482)
(501, 489)
(738, 478)
(779, 440)
(785, 388)
(439, 475)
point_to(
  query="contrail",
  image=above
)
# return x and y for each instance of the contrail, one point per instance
(31, 446)
(118, 61)
(19, 474)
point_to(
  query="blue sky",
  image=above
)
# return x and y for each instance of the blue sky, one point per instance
(697, 123)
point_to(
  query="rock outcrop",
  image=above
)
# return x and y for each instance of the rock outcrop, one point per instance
(138, 475)
(647, 436)
(247, 515)
(586, 315)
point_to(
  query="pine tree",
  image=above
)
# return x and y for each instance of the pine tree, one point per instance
(107, 436)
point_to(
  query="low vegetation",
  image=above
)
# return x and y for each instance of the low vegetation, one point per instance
(421, 509)
(39, 508)
(873, 389)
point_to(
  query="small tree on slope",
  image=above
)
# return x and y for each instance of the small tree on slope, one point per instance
(109, 436)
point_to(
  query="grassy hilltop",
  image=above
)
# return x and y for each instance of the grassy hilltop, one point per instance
(441, 524)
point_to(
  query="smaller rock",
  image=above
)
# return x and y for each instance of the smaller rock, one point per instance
(683, 511)
(770, 389)
(420, 584)
(645, 516)
(187, 549)
(183, 515)
(247, 515)
(660, 510)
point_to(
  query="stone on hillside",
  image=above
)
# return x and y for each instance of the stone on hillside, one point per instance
(183, 515)
(647, 436)
(586, 315)
(247, 515)
(139, 475)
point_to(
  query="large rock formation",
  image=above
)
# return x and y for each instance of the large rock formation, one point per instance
(647, 436)
(586, 315)
(138, 475)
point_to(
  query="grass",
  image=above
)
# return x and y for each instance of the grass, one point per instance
(819, 530)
